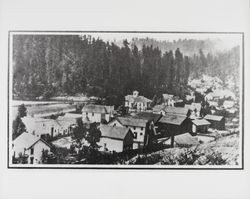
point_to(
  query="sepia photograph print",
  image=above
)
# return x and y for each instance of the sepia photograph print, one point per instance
(125, 100)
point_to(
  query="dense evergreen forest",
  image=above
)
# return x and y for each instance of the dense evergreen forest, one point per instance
(52, 65)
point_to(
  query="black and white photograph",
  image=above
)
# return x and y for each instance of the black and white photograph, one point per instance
(125, 99)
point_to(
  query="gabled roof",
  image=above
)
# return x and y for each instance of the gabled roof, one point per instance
(27, 140)
(213, 117)
(93, 108)
(129, 121)
(113, 132)
(72, 115)
(133, 99)
(201, 122)
(158, 108)
(172, 119)
(176, 110)
(148, 116)
(29, 121)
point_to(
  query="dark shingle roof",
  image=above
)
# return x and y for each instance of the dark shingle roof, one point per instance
(172, 119)
(148, 116)
(176, 110)
(113, 132)
(129, 121)
(213, 117)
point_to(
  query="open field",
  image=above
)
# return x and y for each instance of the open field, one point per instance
(43, 108)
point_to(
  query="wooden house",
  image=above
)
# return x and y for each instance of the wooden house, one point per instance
(200, 126)
(172, 125)
(139, 128)
(97, 113)
(136, 103)
(217, 122)
(30, 146)
(115, 139)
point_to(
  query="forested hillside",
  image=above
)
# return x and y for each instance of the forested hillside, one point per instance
(50, 65)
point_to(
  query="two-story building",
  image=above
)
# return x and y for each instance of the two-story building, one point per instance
(97, 113)
(136, 103)
(31, 147)
(138, 127)
(115, 139)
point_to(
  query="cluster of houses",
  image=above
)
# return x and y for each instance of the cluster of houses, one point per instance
(141, 127)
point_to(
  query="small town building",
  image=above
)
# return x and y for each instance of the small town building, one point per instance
(152, 120)
(136, 103)
(30, 146)
(172, 125)
(115, 139)
(195, 109)
(179, 103)
(53, 128)
(200, 126)
(97, 113)
(41, 126)
(138, 127)
(168, 110)
(217, 122)
(168, 99)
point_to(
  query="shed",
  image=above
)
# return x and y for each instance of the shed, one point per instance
(217, 122)
(200, 126)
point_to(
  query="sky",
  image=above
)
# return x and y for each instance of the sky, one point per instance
(228, 40)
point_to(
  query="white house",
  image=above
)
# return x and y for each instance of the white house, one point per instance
(97, 113)
(137, 126)
(168, 99)
(53, 128)
(114, 138)
(195, 109)
(30, 146)
(137, 103)
(41, 126)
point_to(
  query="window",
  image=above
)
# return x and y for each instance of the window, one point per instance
(135, 135)
(141, 133)
(32, 151)
(134, 127)
(142, 128)
(86, 113)
(93, 114)
(31, 160)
